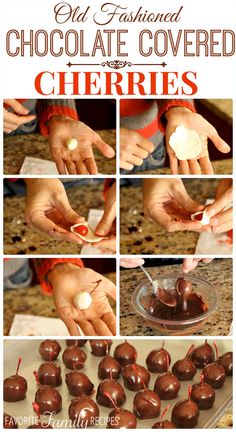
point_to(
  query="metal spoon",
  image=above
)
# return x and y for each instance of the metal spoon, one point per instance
(163, 295)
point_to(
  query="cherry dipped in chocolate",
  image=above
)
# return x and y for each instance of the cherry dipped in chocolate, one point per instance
(15, 386)
(185, 369)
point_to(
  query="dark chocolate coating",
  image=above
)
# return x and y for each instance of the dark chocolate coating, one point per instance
(121, 419)
(157, 360)
(135, 377)
(48, 399)
(40, 426)
(185, 414)
(100, 347)
(125, 353)
(9, 422)
(109, 368)
(83, 412)
(202, 355)
(146, 404)
(164, 424)
(74, 358)
(49, 349)
(226, 360)
(76, 342)
(114, 389)
(204, 395)
(79, 384)
(14, 388)
(184, 369)
(167, 386)
(214, 374)
(49, 374)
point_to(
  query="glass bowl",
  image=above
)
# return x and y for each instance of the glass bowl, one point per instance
(141, 296)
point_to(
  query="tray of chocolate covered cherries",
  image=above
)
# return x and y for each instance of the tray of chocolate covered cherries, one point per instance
(134, 383)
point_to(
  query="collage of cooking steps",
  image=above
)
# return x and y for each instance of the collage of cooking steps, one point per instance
(117, 263)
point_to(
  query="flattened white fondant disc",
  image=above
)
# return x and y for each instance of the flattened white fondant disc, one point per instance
(185, 143)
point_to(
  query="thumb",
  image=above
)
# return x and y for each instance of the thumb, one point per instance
(105, 224)
(188, 203)
(219, 143)
(104, 148)
(67, 212)
(17, 107)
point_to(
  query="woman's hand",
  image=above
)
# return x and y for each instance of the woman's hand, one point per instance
(107, 224)
(166, 202)
(133, 149)
(98, 320)
(48, 209)
(177, 116)
(80, 160)
(221, 210)
(19, 116)
(191, 263)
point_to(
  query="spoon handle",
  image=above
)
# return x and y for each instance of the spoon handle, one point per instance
(147, 274)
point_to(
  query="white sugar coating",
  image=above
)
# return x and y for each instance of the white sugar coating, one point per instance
(90, 237)
(186, 143)
(71, 143)
(82, 300)
(205, 218)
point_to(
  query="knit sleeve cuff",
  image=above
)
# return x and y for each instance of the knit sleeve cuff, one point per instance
(166, 104)
(44, 265)
(48, 108)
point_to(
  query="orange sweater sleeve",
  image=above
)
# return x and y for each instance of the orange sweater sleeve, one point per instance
(48, 108)
(43, 265)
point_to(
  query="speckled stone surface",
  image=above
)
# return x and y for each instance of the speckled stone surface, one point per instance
(224, 166)
(140, 236)
(21, 240)
(16, 148)
(218, 272)
(33, 301)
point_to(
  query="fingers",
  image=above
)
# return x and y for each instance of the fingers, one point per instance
(194, 167)
(206, 165)
(71, 167)
(62, 204)
(220, 144)
(222, 221)
(87, 328)
(171, 225)
(81, 168)
(71, 326)
(101, 327)
(220, 203)
(145, 144)
(134, 160)
(110, 319)
(140, 153)
(110, 289)
(105, 224)
(16, 106)
(104, 148)
(184, 167)
(173, 164)
(60, 166)
(131, 262)
(126, 165)
(91, 165)
(181, 195)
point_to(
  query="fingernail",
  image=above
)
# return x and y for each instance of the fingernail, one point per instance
(100, 232)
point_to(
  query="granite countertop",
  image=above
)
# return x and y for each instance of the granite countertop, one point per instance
(33, 301)
(218, 272)
(21, 240)
(16, 148)
(224, 166)
(140, 236)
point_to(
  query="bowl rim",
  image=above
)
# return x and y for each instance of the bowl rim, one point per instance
(172, 323)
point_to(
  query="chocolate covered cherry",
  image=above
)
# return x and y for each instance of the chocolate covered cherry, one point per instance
(135, 377)
(203, 394)
(125, 353)
(74, 358)
(100, 347)
(110, 389)
(158, 360)
(185, 413)
(79, 384)
(185, 369)
(146, 404)
(14, 387)
(214, 373)
(226, 360)
(83, 412)
(109, 367)
(49, 350)
(50, 374)
(202, 355)
(120, 418)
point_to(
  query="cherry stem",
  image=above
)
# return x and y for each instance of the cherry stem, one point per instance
(189, 391)
(134, 366)
(74, 365)
(189, 351)
(163, 343)
(37, 378)
(216, 349)
(18, 365)
(201, 380)
(112, 401)
(167, 362)
(165, 411)
(36, 409)
(97, 284)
